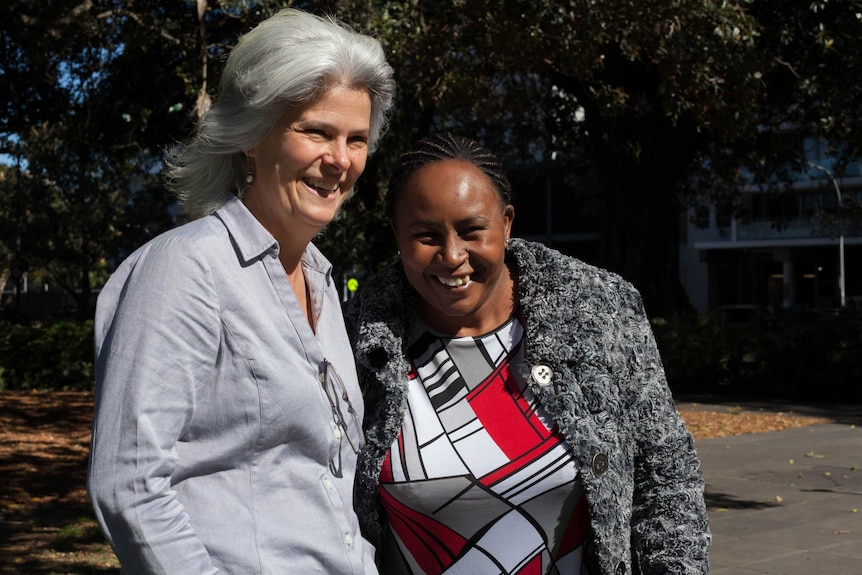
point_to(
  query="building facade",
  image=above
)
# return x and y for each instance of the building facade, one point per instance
(799, 250)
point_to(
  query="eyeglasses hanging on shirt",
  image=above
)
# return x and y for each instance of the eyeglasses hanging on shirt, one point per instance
(336, 393)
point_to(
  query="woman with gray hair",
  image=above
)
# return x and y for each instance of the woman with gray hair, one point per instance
(228, 414)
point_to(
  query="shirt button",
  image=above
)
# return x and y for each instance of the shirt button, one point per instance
(321, 377)
(542, 374)
(337, 433)
(348, 539)
(600, 464)
(327, 483)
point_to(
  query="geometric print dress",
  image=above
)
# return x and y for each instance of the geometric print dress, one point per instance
(479, 480)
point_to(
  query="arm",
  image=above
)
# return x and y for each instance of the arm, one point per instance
(670, 533)
(157, 336)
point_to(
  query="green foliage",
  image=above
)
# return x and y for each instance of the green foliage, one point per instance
(651, 101)
(656, 102)
(55, 355)
(93, 92)
(791, 355)
(796, 356)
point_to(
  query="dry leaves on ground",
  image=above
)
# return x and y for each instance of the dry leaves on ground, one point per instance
(46, 523)
(47, 526)
(705, 424)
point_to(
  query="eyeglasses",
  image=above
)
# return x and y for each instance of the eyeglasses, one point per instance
(334, 388)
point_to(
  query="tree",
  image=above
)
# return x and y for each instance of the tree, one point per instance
(81, 167)
(95, 92)
(655, 101)
(647, 104)
(10, 227)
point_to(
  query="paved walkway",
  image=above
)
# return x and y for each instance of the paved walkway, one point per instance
(786, 502)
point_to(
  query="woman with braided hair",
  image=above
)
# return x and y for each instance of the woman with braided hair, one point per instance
(517, 415)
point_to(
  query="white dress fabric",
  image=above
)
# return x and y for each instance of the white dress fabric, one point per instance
(479, 480)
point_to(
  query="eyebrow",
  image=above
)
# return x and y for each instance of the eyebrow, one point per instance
(327, 125)
(468, 220)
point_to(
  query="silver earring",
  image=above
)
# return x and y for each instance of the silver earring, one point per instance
(249, 178)
(507, 242)
(399, 253)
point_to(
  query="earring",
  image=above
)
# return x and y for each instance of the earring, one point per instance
(399, 253)
(507, 242)
(249, 170)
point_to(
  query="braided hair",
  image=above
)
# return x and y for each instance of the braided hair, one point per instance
(446, 146)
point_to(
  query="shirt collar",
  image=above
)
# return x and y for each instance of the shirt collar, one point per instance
(251, 240)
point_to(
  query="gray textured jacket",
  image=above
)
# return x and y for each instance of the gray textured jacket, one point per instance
(592, 361)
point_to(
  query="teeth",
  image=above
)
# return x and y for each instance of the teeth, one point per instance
(321, 185)
(454, 281)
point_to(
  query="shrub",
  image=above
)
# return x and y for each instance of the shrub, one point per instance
(791, 355)
(51, 355)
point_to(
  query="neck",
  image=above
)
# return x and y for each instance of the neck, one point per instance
(292, 236)
(297, 280)
(290, 256)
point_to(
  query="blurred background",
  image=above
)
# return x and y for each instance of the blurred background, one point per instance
(708, 151)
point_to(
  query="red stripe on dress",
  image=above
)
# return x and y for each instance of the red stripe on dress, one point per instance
(576, 530)
(534, 567)
(506, 415)
(522, 461)
(386, 469)
(431, 544)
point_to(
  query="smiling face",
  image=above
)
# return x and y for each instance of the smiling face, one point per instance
(307, 165)
(451, 228)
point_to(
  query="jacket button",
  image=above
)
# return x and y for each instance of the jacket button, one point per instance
(542, 374)
(620, 569)
(600, 467)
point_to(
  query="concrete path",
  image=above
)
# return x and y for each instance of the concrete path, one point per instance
(787, 502)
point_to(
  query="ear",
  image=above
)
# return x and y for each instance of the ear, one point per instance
(508, 218)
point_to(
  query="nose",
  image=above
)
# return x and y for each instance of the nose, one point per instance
(337, 156)
(453, 251)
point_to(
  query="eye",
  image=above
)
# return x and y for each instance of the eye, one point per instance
(472, 231)
(425, 236)
(315, 133)
(357, 141)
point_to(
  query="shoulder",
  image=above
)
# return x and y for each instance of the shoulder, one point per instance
(378, 316)
(182, 254)
(548, 278)
(379, 297)
(170, 276)
(196, 240)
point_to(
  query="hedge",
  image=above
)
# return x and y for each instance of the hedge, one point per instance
(804, 356)
(793, 356)
(50, 355)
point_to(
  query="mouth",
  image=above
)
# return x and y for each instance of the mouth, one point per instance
(322, 187)
(452, 281)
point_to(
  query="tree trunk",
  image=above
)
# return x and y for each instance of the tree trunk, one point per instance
(641, 159)
(640, 238)
(6, 272)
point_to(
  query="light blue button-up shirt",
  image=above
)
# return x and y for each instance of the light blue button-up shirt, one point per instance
(213, 442)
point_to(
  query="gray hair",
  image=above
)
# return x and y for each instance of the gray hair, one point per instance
(289, 59)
